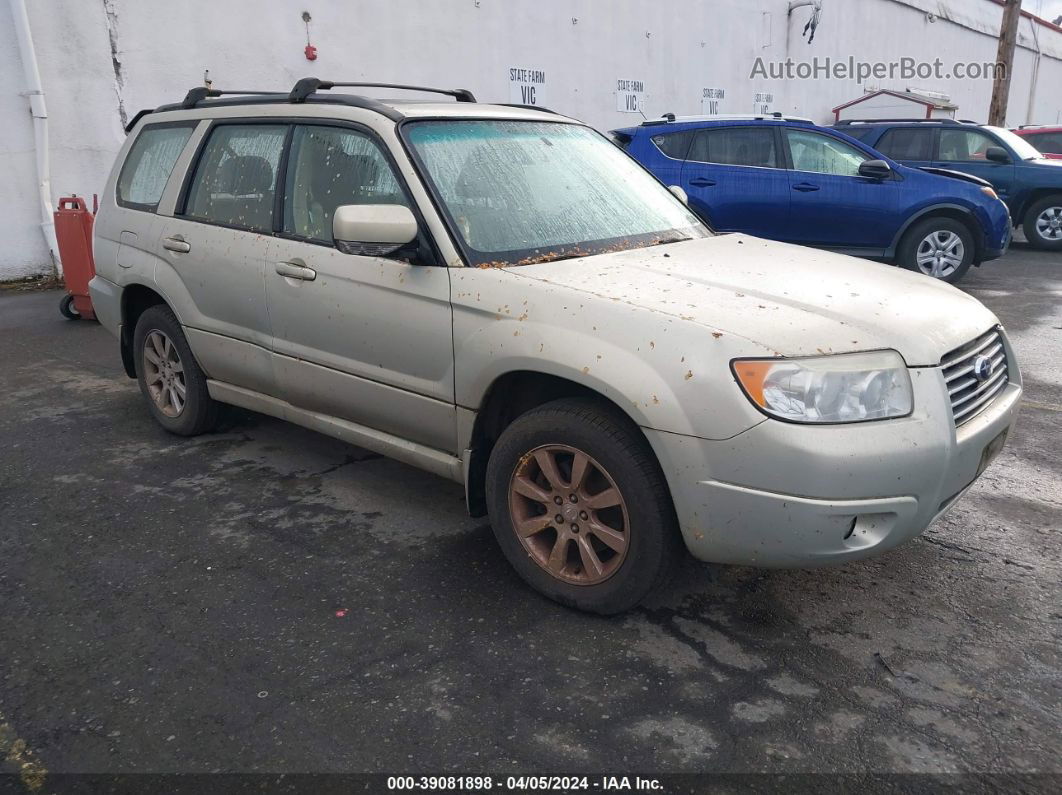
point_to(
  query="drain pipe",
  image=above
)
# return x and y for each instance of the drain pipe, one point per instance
(1036, 72)
(35, 93)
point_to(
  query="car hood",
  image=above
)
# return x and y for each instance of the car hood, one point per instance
(789, 300)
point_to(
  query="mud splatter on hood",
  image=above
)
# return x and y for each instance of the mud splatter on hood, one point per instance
(794, 300)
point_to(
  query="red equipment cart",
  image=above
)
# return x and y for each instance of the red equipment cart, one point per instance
(73, 232)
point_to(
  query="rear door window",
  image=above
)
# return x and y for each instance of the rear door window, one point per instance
(1047, 142)
(331, 167)
(736, 146)
(149, 164)
(904, 143)
(235, 181)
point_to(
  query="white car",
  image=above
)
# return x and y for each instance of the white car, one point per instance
(501, 296)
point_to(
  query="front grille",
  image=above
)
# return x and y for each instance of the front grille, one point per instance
(969, 394)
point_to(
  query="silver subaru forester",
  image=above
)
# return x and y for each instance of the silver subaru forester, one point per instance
(501, 296)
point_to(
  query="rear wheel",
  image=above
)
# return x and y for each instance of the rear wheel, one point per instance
(1043, 224)
(580, 508)
(939, 247)
(169, 376)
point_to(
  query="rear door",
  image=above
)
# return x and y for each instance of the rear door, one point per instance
(832, 205)
(963, 149)
(735, 177)
(365, 338)
(213, 252)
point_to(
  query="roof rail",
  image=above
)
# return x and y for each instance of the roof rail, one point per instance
(309, 85)
(199, 93)
(844, 122)
(669, 118)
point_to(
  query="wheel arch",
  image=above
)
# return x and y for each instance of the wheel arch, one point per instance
(1031, 198)
(956, 212)
(510, 395)
(137, 298)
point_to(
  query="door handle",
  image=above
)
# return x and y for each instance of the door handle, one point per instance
(805, 187)
(702, 182)
(294, 270)
(176, 243)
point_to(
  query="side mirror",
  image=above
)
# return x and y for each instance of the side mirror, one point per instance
(680, 194)
(997, 154)
(373, 230)
(875, 169)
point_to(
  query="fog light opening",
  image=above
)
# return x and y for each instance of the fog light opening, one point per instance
(851, 529)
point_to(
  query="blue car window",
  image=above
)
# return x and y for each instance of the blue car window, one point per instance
(674, 145)
(965, 146)
(905, 143)
(823, 154)
(736, 146)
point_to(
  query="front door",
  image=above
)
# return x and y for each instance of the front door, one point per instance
(735, 178)
(832, 205)
(966, 150)
(367, 339)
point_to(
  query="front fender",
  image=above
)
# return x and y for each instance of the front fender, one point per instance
(667, 373)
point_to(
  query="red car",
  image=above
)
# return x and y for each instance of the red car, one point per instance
(1047, 139)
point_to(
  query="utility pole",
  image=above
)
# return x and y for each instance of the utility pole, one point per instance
(1008, 39)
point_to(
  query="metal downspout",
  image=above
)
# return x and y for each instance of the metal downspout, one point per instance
(39, 111)
(1036, 72)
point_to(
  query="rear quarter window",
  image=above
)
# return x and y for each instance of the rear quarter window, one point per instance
(674, 145)
(150, 162)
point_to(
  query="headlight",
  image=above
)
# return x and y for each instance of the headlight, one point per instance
(990, 192)
(850, 387)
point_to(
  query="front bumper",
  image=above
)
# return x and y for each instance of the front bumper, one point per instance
(782, 494)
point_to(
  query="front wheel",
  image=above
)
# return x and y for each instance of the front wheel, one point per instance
(169, 376)
(580, 507)
(1043, 224)
(939, 247)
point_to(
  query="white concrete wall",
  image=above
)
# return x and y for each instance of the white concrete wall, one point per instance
(676, 47)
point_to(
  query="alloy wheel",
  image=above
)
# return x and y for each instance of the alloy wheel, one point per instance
(1049, 224)
(164, 374)
(569, 514)
(940, 253)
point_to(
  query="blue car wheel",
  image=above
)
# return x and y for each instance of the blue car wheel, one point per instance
(940, 247)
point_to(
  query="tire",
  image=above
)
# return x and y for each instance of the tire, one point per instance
(946, 235)
(1043, 224)
(67, 309)
(616, 458)
(190, 414)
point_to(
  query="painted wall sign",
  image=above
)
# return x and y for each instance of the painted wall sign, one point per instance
(630, 96)
(762, 102)
(527, 86)
(712, 100)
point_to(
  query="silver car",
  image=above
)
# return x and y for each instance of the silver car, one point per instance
(501, 296)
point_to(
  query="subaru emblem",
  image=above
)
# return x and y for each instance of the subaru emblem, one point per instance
(982, 368)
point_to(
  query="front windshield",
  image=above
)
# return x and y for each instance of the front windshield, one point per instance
(519, 192)
(1022, 148)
